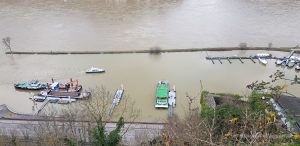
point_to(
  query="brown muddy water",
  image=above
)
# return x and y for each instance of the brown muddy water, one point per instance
(91, 25)
(79, 25)
(139, 73)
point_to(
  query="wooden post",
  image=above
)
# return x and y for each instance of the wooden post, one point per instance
(6, 42)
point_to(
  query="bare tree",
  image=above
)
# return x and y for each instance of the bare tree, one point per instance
(75, 123)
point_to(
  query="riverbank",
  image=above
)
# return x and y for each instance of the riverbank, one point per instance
(282, 49)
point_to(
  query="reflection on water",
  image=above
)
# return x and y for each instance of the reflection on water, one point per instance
(139, 74)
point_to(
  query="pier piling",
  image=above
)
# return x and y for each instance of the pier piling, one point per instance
(241, 60)
(229, 60)
(220, 60)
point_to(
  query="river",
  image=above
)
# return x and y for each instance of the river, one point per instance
(40, 25)
(140, 24)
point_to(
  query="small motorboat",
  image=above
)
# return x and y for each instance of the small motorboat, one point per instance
(263, 61)
(94, 70)
(118, 95)
(262, 57)
(291, 63)
(297, 66)
(279, 61)
(285, 62)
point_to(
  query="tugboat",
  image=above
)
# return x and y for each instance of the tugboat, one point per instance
(72, 86)
(32, 85)
(162, 91)
(94, 70)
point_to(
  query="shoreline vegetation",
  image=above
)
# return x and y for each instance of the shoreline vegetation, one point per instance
(155, 50)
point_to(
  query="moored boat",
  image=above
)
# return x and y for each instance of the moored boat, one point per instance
(63, 94)
(118, 95)
(297, 66)
(279, 61)
(162, 91)
(285, 62)
(291, 63)
(262, 57)
(40, 98)
(95, 70)
(32, 85)
(263, 61)
(72, 86)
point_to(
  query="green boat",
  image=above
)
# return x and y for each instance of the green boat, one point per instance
(162, 91)
(32, 85)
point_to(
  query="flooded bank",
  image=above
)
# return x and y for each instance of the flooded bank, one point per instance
(139, 74)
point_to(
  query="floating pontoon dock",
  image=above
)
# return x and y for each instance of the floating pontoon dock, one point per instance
(241, 58)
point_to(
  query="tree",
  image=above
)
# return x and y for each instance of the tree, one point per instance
(99, 138)
(85, 122)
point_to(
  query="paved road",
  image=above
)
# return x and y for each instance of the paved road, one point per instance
(134, 134)
(32, 125)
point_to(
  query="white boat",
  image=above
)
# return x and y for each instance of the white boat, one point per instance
(295, 58)
(279, 61)
(95, 70)
(172, 97)
(262, 57)
(297, 66)
(118, 95)
(291, 63)
(263, 61)
(116, 100)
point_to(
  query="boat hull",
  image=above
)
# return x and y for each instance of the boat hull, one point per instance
(91, 72)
